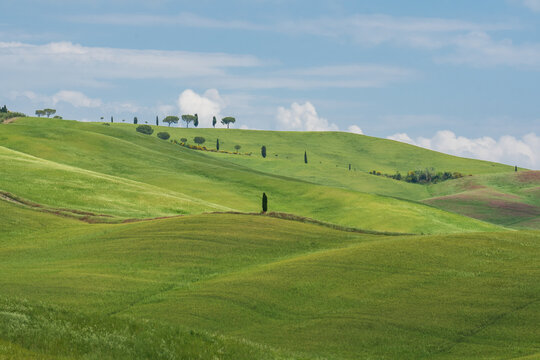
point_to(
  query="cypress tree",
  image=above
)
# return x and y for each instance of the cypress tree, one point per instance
(217, 144)
(515, 168)
(196, 120)
(263, 151)
(264, 203)
(214, 121)
(305, 157)
(112, 119)
(349, 167)
(135, 120)
(157, 121)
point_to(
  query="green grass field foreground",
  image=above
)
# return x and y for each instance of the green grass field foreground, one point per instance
(251, 287)
(119, 245)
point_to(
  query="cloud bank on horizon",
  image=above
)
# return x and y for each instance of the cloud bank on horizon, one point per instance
(524, 152)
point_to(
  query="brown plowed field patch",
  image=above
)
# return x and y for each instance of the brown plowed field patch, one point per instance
(529, 176)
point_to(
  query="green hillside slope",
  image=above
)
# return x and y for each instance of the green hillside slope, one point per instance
(242, 287)
(329, 156)
(116, 171)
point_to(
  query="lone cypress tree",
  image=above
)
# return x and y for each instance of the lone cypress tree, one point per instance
(214, 121)
(217, 144)
(157, 121)
(264, 203)
(263, 151)
(305, 157)
(112, 120)
(515, 168)
(135, 120)
(196, 120)
(349, 167)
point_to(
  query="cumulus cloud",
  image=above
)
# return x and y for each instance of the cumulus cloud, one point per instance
(75, 98)
(355, 129)
(524, 151)
(206, 106)
(303, 118)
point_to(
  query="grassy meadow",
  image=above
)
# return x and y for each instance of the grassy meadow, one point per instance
(118, 172)
(172, 259)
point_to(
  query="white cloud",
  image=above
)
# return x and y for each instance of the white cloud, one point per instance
(166, 110)
(75, 98)
(402, 137)
(303, 118)
(534, 5)
(355, 129)
(205, 106)
(370, 29)
(336, 76)
(524, 152)
(479, 49)
(182, 19)
(66, 62)
(378, 29)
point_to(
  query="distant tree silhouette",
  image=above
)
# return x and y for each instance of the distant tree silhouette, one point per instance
(39, 113)
(264, 203)
(237, 147)
(349, 167)
(135, 120)
(263, 151)
(157, 121)
(214, 121)
(4, 109)
(187, 119)
(228, 120)
(196, 120)
(112, 120)
(217, 144)
(183, 140)
(171, 119)
(305, 157)
(49, 112)
(515, 168)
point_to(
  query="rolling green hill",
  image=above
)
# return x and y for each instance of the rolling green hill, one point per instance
(119, 245)
(246, 286)
(115, 171)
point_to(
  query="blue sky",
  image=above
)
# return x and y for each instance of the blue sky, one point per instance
(461, 77)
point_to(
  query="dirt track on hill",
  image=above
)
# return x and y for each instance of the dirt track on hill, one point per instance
(9, 121)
